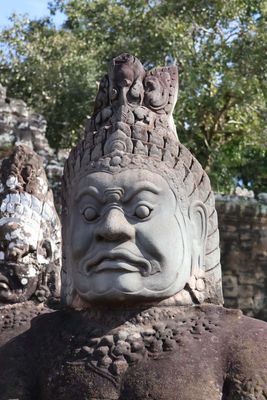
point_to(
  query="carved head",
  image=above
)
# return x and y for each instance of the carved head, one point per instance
(139, 223)
(30, 240)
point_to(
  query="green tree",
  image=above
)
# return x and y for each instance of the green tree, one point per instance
(53, 71)
(220, 48)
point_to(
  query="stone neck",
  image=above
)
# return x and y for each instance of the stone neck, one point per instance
(138, 315)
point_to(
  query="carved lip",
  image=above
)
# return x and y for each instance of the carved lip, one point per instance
(4, 286)
(118, 260)
(4, 283)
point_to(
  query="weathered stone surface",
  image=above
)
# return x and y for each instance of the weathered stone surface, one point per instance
(243, 227)
(149, 354)
(141, 262)
(16, 318)
(30, 241)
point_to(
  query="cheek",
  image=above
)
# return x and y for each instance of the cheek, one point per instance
(159, 235)
(79, 237)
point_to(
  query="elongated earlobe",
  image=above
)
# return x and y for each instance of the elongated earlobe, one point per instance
(199, 220)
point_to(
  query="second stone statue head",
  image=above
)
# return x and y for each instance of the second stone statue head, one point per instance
(139, 223)
(30, 237)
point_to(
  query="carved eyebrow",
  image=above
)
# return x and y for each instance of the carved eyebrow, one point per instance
(142, 186)
(91, 191)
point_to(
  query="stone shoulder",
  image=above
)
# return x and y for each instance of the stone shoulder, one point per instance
(247, 360)
(117, 347)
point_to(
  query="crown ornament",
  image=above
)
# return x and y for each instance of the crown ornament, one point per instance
(132, 127)
(133, 112)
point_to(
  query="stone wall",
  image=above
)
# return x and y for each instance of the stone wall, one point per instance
(243, 232)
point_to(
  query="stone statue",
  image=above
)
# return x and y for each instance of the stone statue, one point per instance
(141, 283)
(30, 241)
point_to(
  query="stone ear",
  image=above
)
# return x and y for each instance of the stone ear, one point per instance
(199, 222)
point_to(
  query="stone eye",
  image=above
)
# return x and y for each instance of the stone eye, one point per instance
(150, 86)
(90, 214)
(114, 94)
(142, 211)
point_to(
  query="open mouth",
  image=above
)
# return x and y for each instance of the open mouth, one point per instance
(121, 261)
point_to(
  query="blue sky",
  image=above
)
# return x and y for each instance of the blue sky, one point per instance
(35, 8)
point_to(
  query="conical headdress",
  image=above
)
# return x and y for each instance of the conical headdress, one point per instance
(132, 127)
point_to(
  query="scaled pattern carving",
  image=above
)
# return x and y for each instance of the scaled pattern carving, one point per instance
(29, 231)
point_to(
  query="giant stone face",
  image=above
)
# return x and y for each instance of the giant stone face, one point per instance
(129, 238)
(139, 222)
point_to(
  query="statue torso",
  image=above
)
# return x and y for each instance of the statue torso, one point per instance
(171, 353)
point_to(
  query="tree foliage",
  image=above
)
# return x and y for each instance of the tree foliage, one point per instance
(53, 72)
(219, 46)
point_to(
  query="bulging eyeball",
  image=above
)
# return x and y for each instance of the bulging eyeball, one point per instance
(142, 211)
(90, 213)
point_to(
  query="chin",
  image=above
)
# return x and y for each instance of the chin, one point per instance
(111, 295)
(119, 298)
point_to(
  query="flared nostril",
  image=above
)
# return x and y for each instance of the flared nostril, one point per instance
(112, 236)
(114, 227)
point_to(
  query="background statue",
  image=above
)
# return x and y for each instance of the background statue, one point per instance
(141, 267)
(30, 240)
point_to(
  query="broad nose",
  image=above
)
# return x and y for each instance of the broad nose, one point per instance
(114, 227)
(16, 252)
(12, 246)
